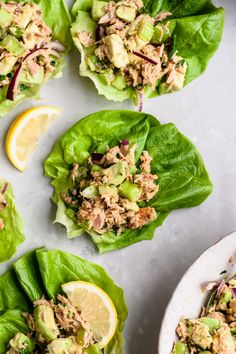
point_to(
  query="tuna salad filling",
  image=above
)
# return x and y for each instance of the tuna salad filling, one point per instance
(54, 327)
(129, 48)
(110, 192)
(3, 204)
(28, 56)
(214, 332)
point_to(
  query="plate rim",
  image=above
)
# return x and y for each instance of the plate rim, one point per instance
(198, 259)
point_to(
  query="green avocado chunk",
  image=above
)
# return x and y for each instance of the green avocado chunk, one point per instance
(130, 191)
(98, 9)
(5, 18)
(64, 345)
(200, 334)
(45, 323)
(126, 13)
(90, 192)
(116, 50)
(22, 344)
(108, 190)
(27, 78)
(13, 46)
(7, 64)
(119, 82)
(116, 173)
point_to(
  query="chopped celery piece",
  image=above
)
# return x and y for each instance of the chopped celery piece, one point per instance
(98, 9)
(126, 13)
(226, 297)
(119, 82)
(162, 32)
(130, 191)
(211, 323)
(145, 30)
(92, 61)
(180, 348)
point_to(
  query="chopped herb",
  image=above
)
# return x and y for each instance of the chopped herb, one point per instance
(2, 77)
(180, 63)
(223, 272)
(23, 87)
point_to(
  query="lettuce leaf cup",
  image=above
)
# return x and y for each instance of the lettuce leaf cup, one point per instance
(118, 174)
(34, 38)
(11, 223)
(38, 314)
(135, 48)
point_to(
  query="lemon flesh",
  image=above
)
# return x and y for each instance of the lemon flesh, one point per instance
(96, 308)
(25, 131)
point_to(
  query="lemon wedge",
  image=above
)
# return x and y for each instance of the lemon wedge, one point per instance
(96, 308)
(23, 134)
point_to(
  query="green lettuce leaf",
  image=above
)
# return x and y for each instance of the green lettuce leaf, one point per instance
(43, 272)
(11, 322)
(183, 179)
(198, 27)
(12, 234)
(12, 295)
(58, 267)
(56, 15)
(27, 271)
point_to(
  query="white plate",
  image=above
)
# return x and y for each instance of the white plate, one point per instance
(188, 296)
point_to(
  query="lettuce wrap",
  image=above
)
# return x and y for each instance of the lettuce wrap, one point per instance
(42, 273)
(11, 223)
(190, 31)
(26, 62)
(183, 181)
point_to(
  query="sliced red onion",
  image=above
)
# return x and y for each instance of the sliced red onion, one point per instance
(11, 91)
(3, 191)
(96, 157)
(234, 291)
(124, 142)
(140, 102)
(99, 33)
(143, 56)
(56, 45)
(220, 288)
(12, 88)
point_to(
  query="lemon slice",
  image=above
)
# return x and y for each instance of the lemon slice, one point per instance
(26, 129)
(96, 308)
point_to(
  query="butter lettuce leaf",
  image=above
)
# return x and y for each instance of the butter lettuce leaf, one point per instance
(12, 235)
(41, 272)
(56, 15)
(58, 267)
(198, 27)
(12, 295)
(11, 322)
(183, 179)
